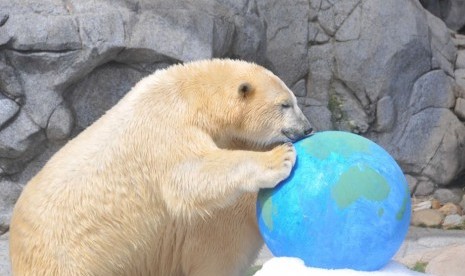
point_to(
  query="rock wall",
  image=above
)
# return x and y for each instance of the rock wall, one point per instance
(388, 70)
(450, 11)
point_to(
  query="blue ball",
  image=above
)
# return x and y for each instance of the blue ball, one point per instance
(346, 204)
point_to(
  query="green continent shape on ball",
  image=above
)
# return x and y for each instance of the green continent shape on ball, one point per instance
(267, 210)
(359, 182)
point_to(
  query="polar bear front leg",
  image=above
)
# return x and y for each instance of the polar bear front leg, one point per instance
(218, 177)
(275, 167)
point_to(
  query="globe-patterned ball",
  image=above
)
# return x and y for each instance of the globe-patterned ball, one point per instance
(346, 204)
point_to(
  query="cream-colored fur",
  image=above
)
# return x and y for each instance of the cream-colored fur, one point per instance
(165, 182)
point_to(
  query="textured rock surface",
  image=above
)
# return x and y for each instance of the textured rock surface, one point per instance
(450, 209)
(428, 218)
(453, 221)
(448, 195)
(451, 11)
(399, 82)
(4, 261)
(448, 262)
(8, 196)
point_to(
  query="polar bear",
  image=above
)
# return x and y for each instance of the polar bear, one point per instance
(165, 182)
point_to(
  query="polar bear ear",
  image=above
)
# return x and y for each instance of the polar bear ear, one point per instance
(245, 89)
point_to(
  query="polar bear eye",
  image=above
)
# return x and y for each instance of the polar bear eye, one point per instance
(285, 105)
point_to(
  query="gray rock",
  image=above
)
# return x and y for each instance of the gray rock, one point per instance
(385, 114)
(429, 153)
(11, 167)
(249, 41)
(425, 187)
(315, 4)
(459, 40)
(8, 197)
(454, 18)
(432, 90)
(3, 18)
(442, 45)
(104, 31)
(462, 202)
(459, 91)
(19, 136)
(319, 117)
(317, 113)
(412, 183)
(95, 94)
(460, 77)
(460, 108)
(394, 46)
(448, 195)
(36, 162)
(348, 109)
(48, 7)
(351, 25)
(185, 26)
(60, 123)
(325, 4)
(37, 73)
(460, 61)
(9, 82)
(8, 109)
(300, 88)
(38, 32)
(321, 71)
(450, 11)
(290, 64)
(434, 6)
(447, 161)
(316, 35)
(5, 268)
(326, 20)
(343, 11)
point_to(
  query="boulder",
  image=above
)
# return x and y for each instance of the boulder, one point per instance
(431, 145)
(424, 187)
(427, 217)
(448, 195)
(451, 209)
(453, 221)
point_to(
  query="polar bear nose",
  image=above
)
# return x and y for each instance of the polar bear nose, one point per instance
(308, 131)
(295, 134)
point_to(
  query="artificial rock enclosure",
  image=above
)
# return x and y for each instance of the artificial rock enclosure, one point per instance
(389, 70)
